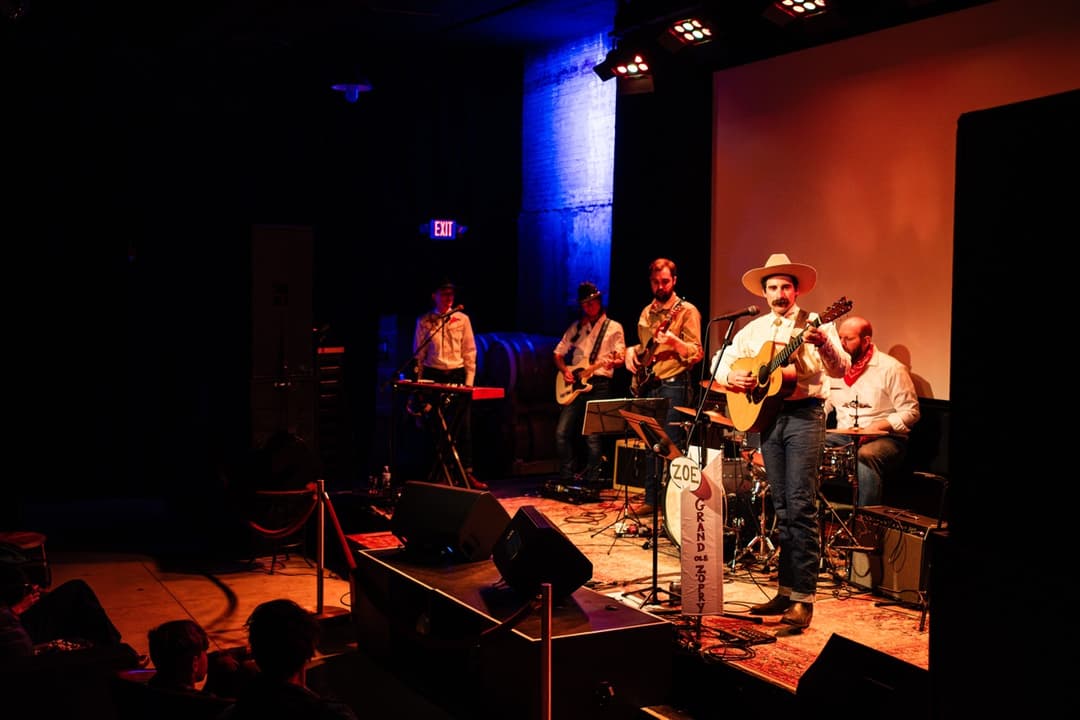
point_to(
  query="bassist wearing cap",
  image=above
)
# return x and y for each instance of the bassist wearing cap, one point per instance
(669, 334)
(777, 370)
(585, 357)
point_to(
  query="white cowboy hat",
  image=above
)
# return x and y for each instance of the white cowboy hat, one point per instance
(778, 264)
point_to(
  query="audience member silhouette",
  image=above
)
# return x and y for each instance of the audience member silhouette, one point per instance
(180, 652)
(34, 621)
(283, 638)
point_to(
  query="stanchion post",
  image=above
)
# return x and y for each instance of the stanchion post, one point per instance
(320, 547)
(545, 651)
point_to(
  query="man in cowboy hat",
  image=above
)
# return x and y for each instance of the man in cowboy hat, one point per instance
(786, 405)
(586, 357)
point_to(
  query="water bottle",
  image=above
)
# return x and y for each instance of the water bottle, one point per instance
(385, 479)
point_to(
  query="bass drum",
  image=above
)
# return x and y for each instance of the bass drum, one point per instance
(673, 514)
(742, 511)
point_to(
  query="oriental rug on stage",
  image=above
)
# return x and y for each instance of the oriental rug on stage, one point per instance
(623, 567)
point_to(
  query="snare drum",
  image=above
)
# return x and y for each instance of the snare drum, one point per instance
(836, 463)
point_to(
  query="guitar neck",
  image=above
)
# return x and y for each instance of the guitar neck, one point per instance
(793, 345)
(645, 356)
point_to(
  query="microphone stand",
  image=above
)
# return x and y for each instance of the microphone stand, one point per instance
(415, 357)
(713, 367)
(414, 360)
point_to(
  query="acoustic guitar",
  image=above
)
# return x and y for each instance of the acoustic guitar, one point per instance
(754, 410)
(645, 379)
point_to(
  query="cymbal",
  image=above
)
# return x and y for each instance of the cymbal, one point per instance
(715, 386)
(711, 414)
(856, 431)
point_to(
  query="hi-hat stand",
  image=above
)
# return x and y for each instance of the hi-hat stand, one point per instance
(761, 545)
(843, 532)
(827, 510)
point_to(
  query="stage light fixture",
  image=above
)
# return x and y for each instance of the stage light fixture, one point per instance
(624, 64)
(783, 11)
(687, 32)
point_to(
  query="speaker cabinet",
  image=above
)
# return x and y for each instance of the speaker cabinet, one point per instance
(865, 679)
(533, 551)
(438, 523)
(631, 464)
(898, 564)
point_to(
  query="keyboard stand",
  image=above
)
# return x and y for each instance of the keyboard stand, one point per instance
(448, 467)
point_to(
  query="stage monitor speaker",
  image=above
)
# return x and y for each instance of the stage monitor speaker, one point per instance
(533, 551)
(868, 680)
(898, 565)
(438, 523)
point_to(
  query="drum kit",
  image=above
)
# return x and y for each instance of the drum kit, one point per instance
(745, 481)
(749, 517)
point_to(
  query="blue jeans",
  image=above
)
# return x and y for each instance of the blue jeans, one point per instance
(677, 391)
(568, 430)
(878, 458)
(791, 449)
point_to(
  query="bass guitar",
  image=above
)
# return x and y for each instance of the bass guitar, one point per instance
(754, 410)
(645, 379)
(566, 393)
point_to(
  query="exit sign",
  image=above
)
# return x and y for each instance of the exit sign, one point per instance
(443, 229)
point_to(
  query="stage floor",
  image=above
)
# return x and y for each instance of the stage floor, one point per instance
(880, 640)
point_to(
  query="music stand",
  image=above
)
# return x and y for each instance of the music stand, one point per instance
(606, 417)
(653, 435)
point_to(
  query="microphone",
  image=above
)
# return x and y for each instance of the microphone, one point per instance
(657, 444)
(455, 309)
(750, 310)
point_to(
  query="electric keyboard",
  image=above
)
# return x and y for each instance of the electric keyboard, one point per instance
(476, 392)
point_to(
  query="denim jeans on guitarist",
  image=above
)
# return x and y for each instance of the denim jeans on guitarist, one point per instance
(677, 392)
(568, 430)
(791, 448)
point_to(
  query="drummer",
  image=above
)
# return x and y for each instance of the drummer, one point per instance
(876, 403)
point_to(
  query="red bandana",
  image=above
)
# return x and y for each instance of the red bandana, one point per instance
(859, 366)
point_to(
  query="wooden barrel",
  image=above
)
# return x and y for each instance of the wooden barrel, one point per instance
(522, 364)
(500, 364)
(531, 364)
(483, 342)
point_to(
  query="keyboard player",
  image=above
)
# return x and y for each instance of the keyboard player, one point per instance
(445, 352)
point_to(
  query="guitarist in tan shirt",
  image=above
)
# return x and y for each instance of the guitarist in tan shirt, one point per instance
(784, 401)
(669, 335)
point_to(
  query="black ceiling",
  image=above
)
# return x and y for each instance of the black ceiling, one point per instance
(744, 32)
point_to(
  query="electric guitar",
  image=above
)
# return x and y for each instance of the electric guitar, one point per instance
(754, 410)
(566, 393)
(645, 379)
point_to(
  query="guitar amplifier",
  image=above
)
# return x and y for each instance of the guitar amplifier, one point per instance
(631, 464)
(898, 564)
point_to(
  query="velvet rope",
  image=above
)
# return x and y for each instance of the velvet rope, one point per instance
(292, 528)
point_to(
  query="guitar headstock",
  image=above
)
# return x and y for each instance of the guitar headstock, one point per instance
(838, 308)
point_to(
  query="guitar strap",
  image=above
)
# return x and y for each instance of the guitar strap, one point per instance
(599, 340)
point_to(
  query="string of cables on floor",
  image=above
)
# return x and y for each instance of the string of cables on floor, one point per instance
(718, 642)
